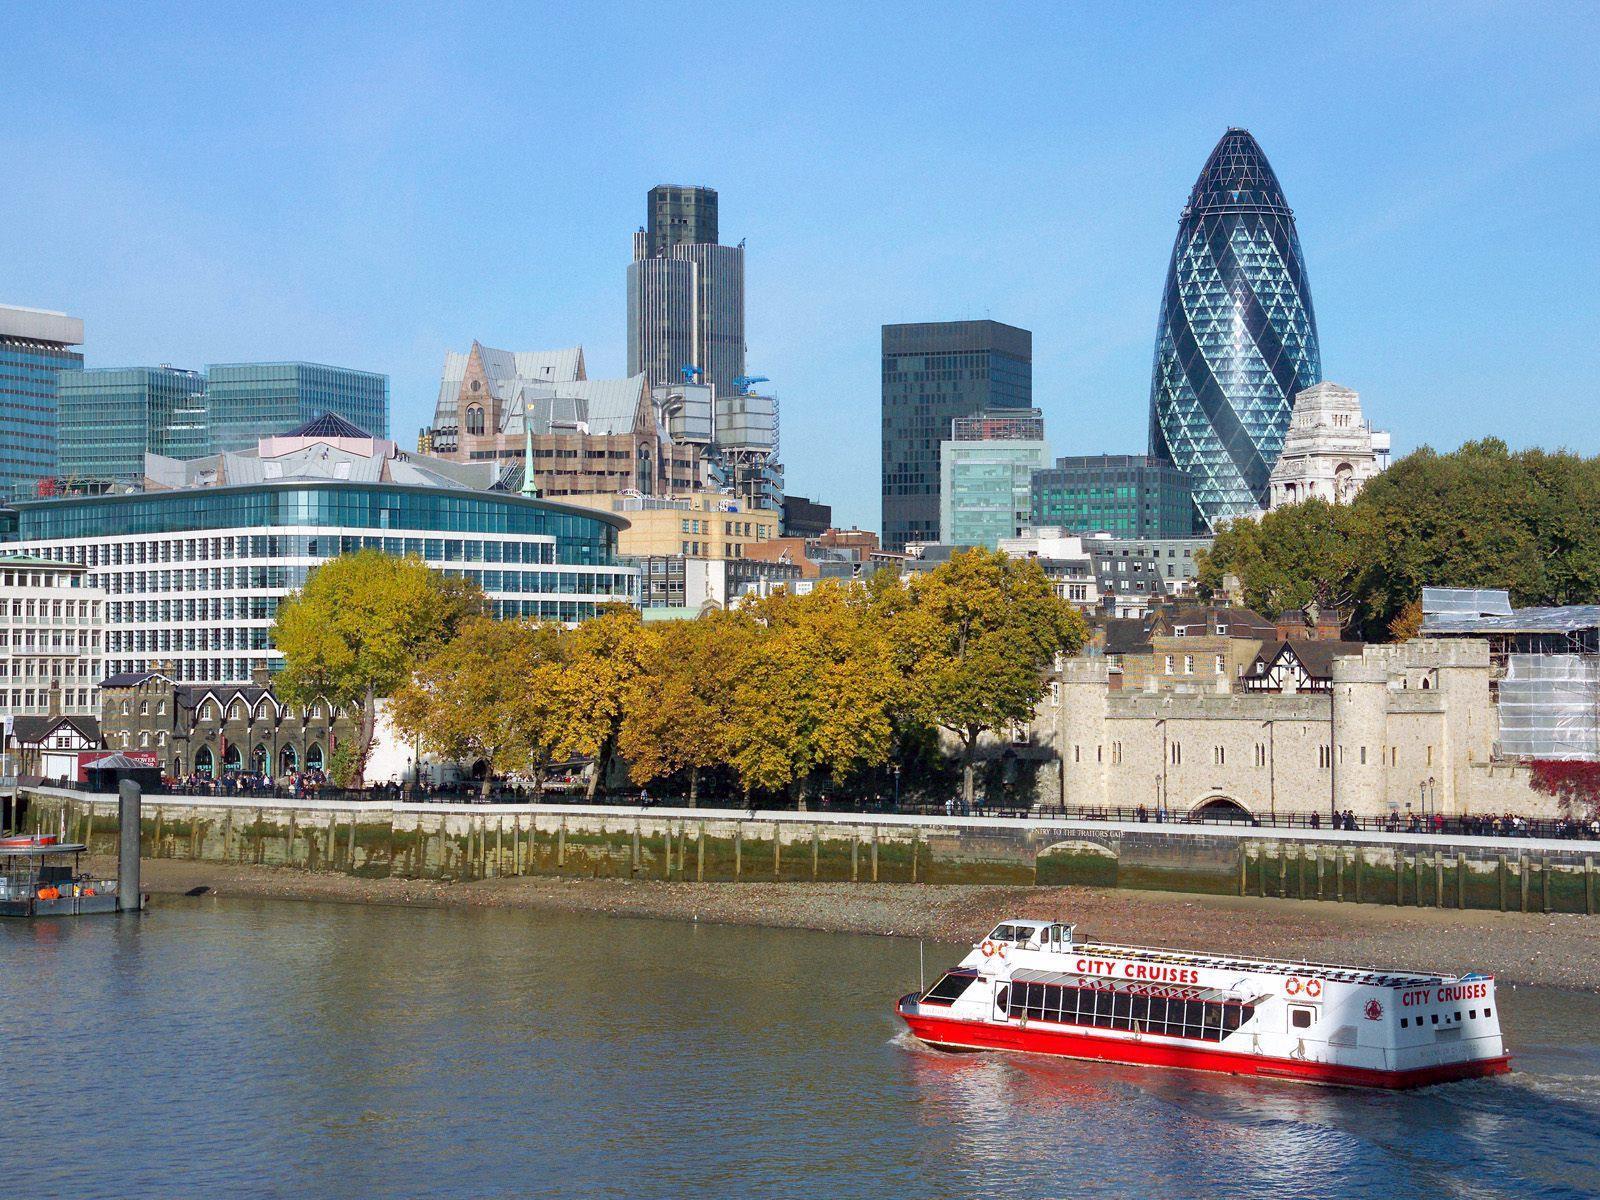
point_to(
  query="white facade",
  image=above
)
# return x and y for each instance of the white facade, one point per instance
(1330, 451)
(1062, 557)
(51, 637)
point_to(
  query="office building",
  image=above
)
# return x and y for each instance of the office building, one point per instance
(805, 518)
(934, 372)
(685, 295)
(111, 417)
(249, 401)
(35, 346)
(586, 436)
(1125, 495)
(1237, 338)
(1331, 451)
(1167, 561)
(697, 525)
(986, 470)
(194, 566)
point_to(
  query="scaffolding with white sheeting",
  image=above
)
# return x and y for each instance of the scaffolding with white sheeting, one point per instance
(1550, 707)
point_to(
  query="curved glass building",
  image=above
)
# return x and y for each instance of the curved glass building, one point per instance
(1237, 337)
(194, 565)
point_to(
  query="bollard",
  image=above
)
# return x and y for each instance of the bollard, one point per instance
(128, 816)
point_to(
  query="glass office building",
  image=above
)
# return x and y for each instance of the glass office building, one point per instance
(193, 575)
(1237, 338)
(934, 372)
(253, 400)
(1125, 495)
(35, 346)
(109, 418)
(685, 294)
(986, 471)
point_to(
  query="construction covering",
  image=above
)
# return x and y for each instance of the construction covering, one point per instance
(1550, 706)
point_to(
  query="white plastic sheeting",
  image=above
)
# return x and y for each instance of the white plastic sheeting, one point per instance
(1550, 706)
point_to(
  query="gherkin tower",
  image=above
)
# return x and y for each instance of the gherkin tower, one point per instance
(1237, 337)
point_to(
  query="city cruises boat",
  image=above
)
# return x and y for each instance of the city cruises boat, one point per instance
(39, 877)
(1032, 986)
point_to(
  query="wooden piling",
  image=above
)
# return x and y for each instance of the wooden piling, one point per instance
(816, 850)
(1503, 871)
(1522, 875)
(700, 852)
(738, 850)
(561, 843)
(874, 854)
(1461, 881)
(1588, 884)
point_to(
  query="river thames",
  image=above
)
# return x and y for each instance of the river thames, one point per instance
(263, 1048)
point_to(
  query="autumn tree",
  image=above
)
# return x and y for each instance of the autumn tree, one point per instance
(812, 691)
(975, 642)
(678, 707)
(359, 627)
(494, 692)
(605, 656)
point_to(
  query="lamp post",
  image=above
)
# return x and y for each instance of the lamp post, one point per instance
(897, 785)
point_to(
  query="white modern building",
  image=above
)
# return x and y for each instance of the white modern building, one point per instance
(50, 638)
(1330, 450)
(194, 565)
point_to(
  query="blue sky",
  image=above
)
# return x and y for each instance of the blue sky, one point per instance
(371, 186)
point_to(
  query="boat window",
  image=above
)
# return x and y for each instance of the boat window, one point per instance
(1435, 1018)
(949, 989)
(1300, 1017)
(1404, 1022)
(1000, 1000)
(1472, 1013)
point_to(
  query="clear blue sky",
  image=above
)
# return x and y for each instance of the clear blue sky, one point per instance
(374, 186)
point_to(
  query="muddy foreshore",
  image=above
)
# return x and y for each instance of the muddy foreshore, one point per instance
(1557, 950)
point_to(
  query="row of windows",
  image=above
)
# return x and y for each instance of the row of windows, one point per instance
(149, 551)
(71, 698)
(1219, 755)
(1161, 1014)
(579, 537)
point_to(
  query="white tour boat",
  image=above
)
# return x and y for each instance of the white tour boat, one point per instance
(1031, 986)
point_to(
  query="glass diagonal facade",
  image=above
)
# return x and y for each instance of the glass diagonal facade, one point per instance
(1237, 338)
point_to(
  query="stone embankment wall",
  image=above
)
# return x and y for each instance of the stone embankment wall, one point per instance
(465, 842)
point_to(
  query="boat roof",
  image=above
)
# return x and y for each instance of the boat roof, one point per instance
(1137, 987)
(1364, 976)
(40, 849)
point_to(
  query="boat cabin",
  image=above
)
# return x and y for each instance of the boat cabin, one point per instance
(40, 877)
(1053, 936)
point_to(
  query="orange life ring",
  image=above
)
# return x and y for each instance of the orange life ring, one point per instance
(988, 948)
(1313, 987)
(1293, 986)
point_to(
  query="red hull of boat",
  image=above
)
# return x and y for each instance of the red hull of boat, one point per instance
(972, 1035)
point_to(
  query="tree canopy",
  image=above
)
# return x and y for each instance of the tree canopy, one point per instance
(1481, 516)
(360, 626)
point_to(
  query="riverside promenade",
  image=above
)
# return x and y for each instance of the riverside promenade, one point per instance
(382, 838)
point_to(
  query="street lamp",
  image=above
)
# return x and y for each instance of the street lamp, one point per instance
(897, 785)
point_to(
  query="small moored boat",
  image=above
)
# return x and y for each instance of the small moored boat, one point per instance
(39, 877)
(1032, 986)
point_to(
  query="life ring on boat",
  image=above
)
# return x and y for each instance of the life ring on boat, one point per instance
(1313, 987)
(1293, 986)
(988, 948)
(50, 893)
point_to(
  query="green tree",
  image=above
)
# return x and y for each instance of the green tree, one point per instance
(358, 629)
(1290, 557)
(495, 691)
(975, 642)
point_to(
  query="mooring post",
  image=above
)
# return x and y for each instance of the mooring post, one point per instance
(700, 851)
(1522, 876)
(1503, 872)
(777, 849)
(129, 812)
(1588, 884)
(855, 856)
(1461, 880)
(738, 850)
(874, 854)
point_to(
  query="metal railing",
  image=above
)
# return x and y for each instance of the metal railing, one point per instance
(563, 791)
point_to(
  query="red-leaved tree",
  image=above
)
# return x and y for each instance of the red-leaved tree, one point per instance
(1575, 784)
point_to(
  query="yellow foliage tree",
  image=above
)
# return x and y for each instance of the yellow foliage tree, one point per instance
(496, 692)
(606, 655)
(358, 629)
(678, 708)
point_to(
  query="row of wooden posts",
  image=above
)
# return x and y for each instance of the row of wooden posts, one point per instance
(1311, 878)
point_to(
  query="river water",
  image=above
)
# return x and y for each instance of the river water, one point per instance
(260, 1048)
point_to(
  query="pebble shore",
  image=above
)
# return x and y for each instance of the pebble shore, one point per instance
(1557, 950)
